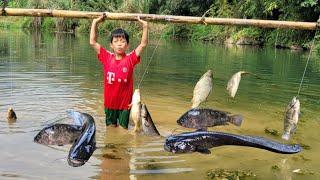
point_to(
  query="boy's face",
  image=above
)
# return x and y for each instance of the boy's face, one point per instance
(119, 45)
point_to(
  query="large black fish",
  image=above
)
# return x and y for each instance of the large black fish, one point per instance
(82, 135)
(58, 134)
(202, 141)
(200, 118)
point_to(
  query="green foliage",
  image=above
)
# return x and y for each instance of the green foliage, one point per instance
(295, 10)
(48, 24)
(247, 33)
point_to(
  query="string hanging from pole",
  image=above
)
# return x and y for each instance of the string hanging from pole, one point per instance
(150, 59)
(275, 44)
(305, 68)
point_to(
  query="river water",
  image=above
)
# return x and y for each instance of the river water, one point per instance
(43, 75)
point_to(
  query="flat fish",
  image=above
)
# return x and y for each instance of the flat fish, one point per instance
(291, 118)
(201, 118)
(148, 126)
(202, 89)
(202, 141)
(135, 111)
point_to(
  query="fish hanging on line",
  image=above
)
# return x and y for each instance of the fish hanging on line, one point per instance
(11, 115)
(135, 111)
(291, 118)
(234, 82)
(202, 89)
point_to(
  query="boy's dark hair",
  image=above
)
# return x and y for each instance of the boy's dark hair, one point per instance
(119, 33)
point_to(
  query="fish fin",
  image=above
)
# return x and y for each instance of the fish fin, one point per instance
(236, 120)
(203, 151)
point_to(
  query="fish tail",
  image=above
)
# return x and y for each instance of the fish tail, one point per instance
(236, 120)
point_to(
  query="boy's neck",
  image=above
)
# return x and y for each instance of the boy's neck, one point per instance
(119, 56)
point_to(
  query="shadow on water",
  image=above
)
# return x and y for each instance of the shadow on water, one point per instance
(43, 75)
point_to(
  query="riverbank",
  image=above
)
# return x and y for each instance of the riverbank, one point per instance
(297, 40)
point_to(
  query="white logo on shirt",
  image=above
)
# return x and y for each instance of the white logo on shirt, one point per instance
(124, 69)
(110, 77)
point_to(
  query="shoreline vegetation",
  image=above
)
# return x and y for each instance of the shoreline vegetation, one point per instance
(300, 10)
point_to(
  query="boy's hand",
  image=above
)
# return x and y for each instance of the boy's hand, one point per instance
(100, 18)
(144, 23)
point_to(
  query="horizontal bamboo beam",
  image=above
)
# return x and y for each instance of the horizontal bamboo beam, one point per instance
(162, 18)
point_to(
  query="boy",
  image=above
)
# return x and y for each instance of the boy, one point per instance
(118, 68)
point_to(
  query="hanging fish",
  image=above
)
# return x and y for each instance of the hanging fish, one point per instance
(202, 89)
(11, 115)
(291, 118)
(234, 82)
(136, 110)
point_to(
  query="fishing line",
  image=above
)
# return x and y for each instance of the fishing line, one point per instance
(150, 59)
(305, 68)
(275, 44)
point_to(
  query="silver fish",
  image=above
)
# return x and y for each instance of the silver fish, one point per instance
(147, 124)
(136, 110)
(234, 82)
(11, 115)
(202, 89)
(291, 118)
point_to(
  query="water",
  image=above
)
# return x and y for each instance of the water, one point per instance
(43, 75)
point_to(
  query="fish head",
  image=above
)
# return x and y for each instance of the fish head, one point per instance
(178, 145)
(11, 115)
(80, 153)
(136, 97)
(189, 118)
(294, 102)
(44, 136)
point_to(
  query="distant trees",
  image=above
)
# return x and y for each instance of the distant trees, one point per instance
(297, 10)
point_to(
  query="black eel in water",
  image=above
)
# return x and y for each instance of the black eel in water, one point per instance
(202, 141)
(81, 134)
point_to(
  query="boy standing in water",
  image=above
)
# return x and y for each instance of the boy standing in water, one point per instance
(118, 68)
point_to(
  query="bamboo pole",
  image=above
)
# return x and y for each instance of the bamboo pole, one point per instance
(162, 18)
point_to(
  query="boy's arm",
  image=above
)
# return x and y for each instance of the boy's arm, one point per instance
(144, 39)
(93, 33)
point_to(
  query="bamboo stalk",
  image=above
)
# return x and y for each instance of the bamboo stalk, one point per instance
(162, 18)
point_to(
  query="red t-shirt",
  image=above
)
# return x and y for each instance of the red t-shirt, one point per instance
(118, 79)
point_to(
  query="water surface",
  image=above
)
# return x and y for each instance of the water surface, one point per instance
(43, 75)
